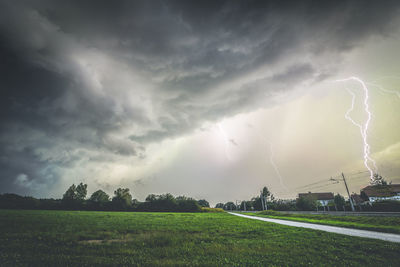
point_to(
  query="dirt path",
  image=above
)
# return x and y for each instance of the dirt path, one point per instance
(332, 229)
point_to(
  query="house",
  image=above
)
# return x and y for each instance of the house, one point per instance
(323, 198)
(374, 193)
(357, 199)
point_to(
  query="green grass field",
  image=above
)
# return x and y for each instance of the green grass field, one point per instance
(60, 238)
(372, 223)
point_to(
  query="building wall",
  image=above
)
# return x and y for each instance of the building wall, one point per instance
(325, 202)
(374, 199)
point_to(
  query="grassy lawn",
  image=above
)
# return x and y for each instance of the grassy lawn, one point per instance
(372, 223)
(60, 238)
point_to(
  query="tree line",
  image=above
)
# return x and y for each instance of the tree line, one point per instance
(267, 201)
(75, 198)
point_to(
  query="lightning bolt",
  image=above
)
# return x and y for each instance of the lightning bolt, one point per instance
(226, 141)
(271, 160)
(363, 127)
(385, 90)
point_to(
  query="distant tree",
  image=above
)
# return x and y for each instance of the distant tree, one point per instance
(306, 203)
(99, 200)
(183, 198)
(266, 193)
(339, 201)
(74, 197)
(81, 191)
(122, 198)
(256, 203)
(378, 180)
(229, 206)
(283, 205)
(268, 196)
(246, 204)
(187, 204)
(151, 198)
(100, 197)
(203, 203)
(220, 205)
(167, 197)
(135, 203)
(167, 202)
(70, 194)
(76, 192)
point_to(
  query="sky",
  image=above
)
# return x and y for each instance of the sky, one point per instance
(208, 99)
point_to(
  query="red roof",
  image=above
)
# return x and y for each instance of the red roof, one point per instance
(357, 198)
(381, 190)
(318, 196)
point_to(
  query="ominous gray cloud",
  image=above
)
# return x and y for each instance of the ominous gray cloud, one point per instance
(97, 81)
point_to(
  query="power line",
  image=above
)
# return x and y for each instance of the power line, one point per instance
(357, 173)
(321, 186)
(315, 183)
(358, 178)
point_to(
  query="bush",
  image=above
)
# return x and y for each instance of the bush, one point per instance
(205, 209)
(386, 205)
(122, 201)
(270, 212)
(282, 205)
(306, 203)
(168, 202)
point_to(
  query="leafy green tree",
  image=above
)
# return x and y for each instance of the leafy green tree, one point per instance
(135, 203)
(266, 193)
(81, 191)
(167, 202)
(378, 180)
(339, 201)
(70, 194)
(187, 204)
(229, 206)
(256, 203)
(99, 200)
(220, 205)
(74, 197)
(306, 203)
(267, 197)
(151, 198)
(183, 198)
(122, 198)
(247, 204)
(203, 203)
(100, 197)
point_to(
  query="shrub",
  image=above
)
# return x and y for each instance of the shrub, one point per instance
(306, 203)
(270, 212)
(205, 209)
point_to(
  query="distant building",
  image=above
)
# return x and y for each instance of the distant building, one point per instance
(323, 198)
(357, 199)
(374, 193)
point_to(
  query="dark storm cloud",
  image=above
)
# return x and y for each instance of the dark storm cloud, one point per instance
(98, 80)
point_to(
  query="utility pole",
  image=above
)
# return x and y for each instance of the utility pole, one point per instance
(347, 189)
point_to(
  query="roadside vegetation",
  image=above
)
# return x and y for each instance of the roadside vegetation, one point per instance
(75, 198)
(81, 238)
(372, 223)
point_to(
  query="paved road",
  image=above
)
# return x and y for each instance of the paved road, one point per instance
(332, 229)
(347, 213)
(341, 213)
